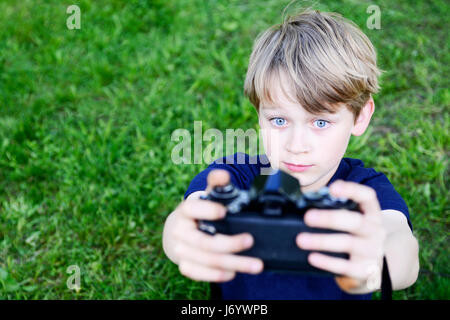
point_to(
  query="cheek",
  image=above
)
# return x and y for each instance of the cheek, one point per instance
(267, 139)
(272, 141)
(335, 145)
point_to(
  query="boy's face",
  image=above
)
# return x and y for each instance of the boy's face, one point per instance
(293, 136)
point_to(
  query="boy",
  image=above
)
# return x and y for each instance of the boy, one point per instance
(311, 80)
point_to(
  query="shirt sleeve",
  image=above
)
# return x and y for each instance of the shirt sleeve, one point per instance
(241, 173)
(387, 196)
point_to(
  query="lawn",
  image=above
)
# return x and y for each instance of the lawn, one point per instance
(86, 117)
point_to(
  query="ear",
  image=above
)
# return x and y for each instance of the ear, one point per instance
(364, 117)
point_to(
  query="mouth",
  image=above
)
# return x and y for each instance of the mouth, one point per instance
(297, 167)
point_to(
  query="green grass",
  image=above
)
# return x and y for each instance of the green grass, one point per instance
(86, 118)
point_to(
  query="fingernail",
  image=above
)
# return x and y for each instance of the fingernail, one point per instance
(304, 240)
(311, 216)
(248, 241)
(256, 267)
(313, 258)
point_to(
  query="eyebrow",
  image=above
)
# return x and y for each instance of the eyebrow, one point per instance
(323, 114)
(271, 106)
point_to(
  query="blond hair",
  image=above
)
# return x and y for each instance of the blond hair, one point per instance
(326, 57)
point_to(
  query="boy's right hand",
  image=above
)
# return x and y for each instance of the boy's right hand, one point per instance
(204, 257)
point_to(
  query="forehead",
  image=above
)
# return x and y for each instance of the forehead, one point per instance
(294, 107)
(281, 95)
(280, 91)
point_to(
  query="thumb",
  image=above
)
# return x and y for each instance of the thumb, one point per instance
(217, 177)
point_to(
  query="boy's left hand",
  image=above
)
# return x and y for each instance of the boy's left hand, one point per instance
(364, 241)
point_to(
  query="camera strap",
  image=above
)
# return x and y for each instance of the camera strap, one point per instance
(386, 285)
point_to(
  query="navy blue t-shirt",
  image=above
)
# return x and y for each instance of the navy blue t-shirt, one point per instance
(270, 285)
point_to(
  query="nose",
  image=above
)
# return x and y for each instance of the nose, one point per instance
(298, 141)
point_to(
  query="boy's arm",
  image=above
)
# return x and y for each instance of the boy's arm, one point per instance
(401, 250)
(372, 235)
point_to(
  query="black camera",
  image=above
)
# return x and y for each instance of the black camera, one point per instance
(273, 212)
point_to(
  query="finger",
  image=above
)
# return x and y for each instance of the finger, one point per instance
(217, 177)
(219, 243)
(337, 266)
(341, 220)
(202, 273)
(330, 242)
(212, 260)
(202, 209)
(365, 196)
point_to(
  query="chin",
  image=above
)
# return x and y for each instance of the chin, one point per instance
(304, 181)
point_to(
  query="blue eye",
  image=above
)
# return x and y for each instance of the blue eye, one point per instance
(278, 121)
(321, 123)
